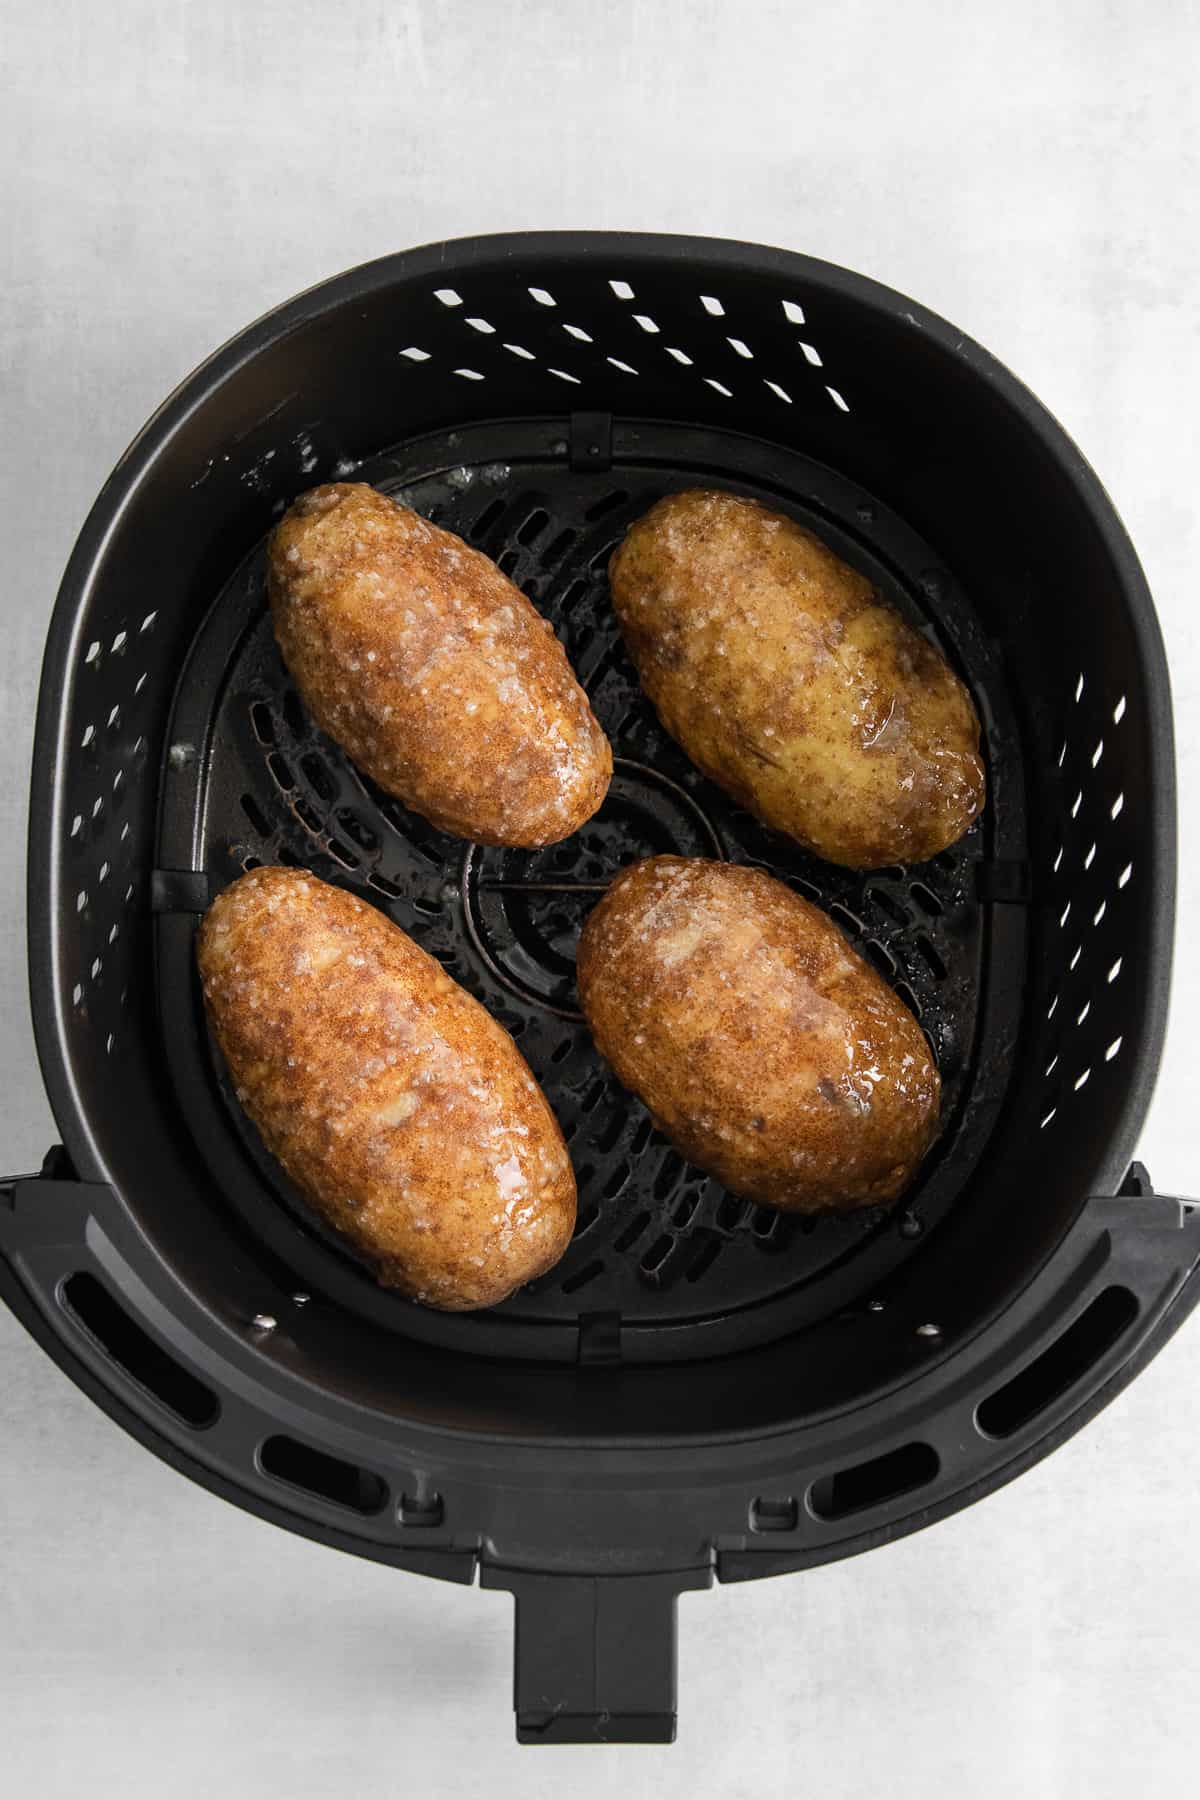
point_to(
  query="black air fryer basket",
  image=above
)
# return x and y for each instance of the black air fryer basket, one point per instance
(701, 1387)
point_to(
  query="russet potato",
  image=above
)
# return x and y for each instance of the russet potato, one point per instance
(791, 682)
(432, 671)
(396, 1103)
(762, 1044)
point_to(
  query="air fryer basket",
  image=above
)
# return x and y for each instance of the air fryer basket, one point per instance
(701, 1386)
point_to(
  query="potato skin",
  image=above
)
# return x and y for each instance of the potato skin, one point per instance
(793, 684)
(399, 1106)
(432, 671)
(764, 1047)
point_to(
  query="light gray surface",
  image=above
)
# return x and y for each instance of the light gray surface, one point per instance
(1029, 170)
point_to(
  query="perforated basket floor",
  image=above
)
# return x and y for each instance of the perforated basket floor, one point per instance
(686, 1267)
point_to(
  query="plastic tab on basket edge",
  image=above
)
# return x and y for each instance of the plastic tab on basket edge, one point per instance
(590, 444)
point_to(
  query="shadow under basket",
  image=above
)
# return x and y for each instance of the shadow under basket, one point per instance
(701, 1387)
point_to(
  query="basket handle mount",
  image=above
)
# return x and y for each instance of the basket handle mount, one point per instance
(595, 1654)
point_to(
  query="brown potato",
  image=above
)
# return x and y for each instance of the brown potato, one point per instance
(790, 681)
(761, 1043)
(432, 671)
(400, 1107)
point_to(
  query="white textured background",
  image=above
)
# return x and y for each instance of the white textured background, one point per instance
(169, 171)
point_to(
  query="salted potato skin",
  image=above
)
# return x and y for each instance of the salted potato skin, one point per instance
(395, 1102)
(432, 671)
(791, 682)
(765, 1048)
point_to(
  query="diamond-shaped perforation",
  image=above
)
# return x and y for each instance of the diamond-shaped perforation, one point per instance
(105, 759)
(730, 348)
(1091, 886)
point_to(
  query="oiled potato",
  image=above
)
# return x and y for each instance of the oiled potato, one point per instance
(432, 671)
(399, 1106)
(762, 1044)
(790, 681)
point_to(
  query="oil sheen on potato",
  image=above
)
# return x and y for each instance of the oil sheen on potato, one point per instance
(401, 1109)
(791, 682)
(763, 1045)
(432, 671)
